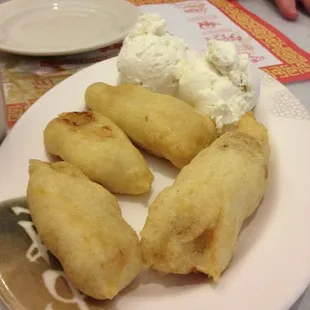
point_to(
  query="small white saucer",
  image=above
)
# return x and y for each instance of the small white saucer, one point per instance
(62, 27)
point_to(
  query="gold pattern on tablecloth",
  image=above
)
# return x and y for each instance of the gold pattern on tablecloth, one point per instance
(26, 79)
(25, 89)
(294, 63)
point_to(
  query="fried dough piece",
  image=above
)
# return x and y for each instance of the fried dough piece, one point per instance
(193, 225)
(80, 222)
(100, 149)
(161, 124)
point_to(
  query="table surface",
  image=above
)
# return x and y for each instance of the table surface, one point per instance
(299, 33)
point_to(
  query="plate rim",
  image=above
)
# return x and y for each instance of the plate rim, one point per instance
(132, 9)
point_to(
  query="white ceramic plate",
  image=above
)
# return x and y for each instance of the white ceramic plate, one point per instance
(59, 27)
(271, 265)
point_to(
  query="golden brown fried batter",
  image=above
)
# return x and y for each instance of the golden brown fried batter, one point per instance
(80, 222)
(100, 149)
(193, 225)
(161, 124)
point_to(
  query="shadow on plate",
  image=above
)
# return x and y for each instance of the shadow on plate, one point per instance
(171, 282)
(255, 225)
(160, 165)
(139, 199)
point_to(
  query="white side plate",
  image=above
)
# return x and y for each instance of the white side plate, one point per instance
(59, 27)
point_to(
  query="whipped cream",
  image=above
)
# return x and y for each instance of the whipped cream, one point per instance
(150, 57)
(219, 83)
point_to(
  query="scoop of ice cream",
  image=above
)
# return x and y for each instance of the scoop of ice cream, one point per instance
(220, 83)
(246, 76)
(222, 55)
(153, 60)
(148, 23)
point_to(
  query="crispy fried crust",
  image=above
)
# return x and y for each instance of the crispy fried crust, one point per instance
(193, 225)
(161, 124)
(81, 224)
(100, 149)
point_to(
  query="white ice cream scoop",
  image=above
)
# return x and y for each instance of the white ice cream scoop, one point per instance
(153, 62)
(150, 57)
(148, 23)
(220, 83)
